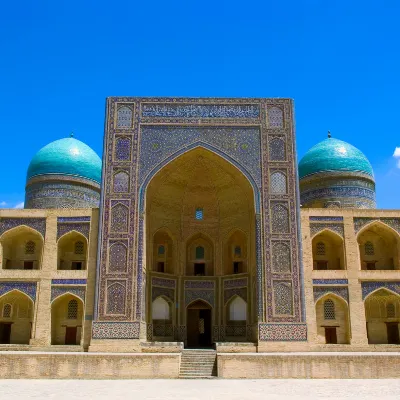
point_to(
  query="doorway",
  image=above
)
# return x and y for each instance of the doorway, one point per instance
(330, 335)
(198, 325)
(393, 332)
(5, 333)
(70, 335)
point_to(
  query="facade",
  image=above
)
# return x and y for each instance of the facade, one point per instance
(200, 239)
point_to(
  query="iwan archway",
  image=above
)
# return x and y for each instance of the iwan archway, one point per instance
(193, 205)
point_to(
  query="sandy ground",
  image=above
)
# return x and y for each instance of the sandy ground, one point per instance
(201, 389)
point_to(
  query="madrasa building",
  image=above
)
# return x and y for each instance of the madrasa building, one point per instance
(199, 246)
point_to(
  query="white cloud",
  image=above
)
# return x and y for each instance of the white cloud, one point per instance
(396, 153)
(3, 204)
(20, 205)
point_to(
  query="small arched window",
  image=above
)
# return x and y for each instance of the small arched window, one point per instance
(199, 253)
(369, 249)
(79, 247)
(320, 249)
(72, 309)
(7, 311)
(390, 310)
(161, 250)
(30, 247)
(199, 214)
(329, 310)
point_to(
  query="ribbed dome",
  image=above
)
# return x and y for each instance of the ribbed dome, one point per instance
(66, 157)
(333, 155)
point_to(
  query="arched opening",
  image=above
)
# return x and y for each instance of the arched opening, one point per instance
(200, 256)
(332, 320)
(66, 320)
(328, 251)
(22, 248)
(16, 317)
(378, 247)
(382, 313)
(163, 253)
(235, 319)
(72, 252)
(199, 323)
(235, 253)
(161, 312)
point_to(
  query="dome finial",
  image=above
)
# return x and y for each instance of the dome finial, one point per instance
(71, 134)
(329, 134)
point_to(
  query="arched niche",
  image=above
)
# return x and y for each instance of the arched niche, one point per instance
(72, 252)
(22, 248)
(67, 320)
(16, 318)
(200, 256)
(382, 313)
(328, 251)
(162, 319)
(378, 247)
(332, 320)
(163, 253)
(235, 319)
(235, 253)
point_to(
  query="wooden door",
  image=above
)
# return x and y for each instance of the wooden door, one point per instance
(5, 333)
(393, 333)
(70, 335)
(330, 335)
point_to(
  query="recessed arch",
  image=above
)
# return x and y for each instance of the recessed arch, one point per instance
(72, 249)
(333, 319)
(16, 315)
(66, 327)
(13, 243)
(379, 246)
(328, 251)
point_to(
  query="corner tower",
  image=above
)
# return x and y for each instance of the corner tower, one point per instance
(335, 174)
(65, 173)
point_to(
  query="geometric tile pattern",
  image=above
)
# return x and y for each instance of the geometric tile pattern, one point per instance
(29, 288)
(78, 291)
(115, 330)
(341, 291)
(369, 287)
(68, 281)
(315, 228)
(39, 224)
(81, 227)
(330, 281)
(361, 222)
(282, 332)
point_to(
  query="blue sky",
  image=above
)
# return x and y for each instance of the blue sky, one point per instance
(339, 60)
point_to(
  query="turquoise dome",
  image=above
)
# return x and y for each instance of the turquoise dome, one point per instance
(66, 157)
(333, 155)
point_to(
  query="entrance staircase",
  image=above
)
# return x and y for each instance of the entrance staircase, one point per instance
(198, 364)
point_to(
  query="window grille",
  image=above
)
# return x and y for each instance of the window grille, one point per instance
(278, 183)
(161, 250)
(369, 249)
(329, 310)
(199, 253)
(7, 311)
(72, 309)
(320, 250)
(124, 117)
(390, 310)
(79, 247)
(30, 247)
(199, 214)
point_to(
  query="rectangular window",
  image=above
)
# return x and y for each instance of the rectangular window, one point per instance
(161, 266)
(371, 265)
(76, 265)
(322, 265)
(28, 264)
(199, 269)
(330, 335)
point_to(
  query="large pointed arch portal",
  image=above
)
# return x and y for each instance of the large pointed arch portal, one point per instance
(196, 170)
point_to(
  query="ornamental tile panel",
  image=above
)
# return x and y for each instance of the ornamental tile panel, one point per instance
(199, 294)
(330, 281)
(341, 291)
(68, 281)
(78, 291)
(199, 284)
(168, 283)
(234, 283)
(316, 228)
(29, 288)
(282, 332)
(66, 227)
(115, 330)
(38, 224)
(369, 287)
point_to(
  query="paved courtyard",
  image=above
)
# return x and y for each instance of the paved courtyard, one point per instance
(200, 389)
